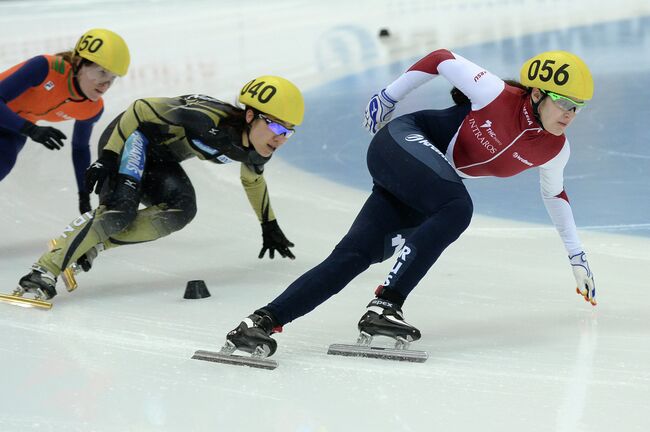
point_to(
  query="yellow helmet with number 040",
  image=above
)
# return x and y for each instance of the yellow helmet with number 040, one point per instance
(275, 96)
(559, 72)
(105, 48)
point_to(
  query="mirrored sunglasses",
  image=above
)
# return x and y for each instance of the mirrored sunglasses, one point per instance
(565, 103)
(276, 127)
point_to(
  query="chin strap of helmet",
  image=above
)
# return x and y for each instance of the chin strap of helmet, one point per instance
(77, 87)
(75, 71)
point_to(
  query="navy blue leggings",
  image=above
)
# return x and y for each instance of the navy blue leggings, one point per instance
(11, 144)
(418, 205)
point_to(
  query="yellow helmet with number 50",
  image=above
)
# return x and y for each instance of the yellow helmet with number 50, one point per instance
(105, 48)
(559, 72)
(275, 96)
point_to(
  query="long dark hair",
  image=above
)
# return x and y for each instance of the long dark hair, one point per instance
(460, 98)
(230, 115)
(236, 117)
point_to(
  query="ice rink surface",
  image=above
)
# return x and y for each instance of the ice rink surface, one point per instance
(511, 346)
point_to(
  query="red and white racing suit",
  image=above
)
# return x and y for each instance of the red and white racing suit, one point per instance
(500, 136)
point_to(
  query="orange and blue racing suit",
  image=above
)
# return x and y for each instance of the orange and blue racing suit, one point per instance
(44, 88)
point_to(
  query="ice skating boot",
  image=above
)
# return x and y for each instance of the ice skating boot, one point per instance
(38, 282)
(253, 335)
(385, 318)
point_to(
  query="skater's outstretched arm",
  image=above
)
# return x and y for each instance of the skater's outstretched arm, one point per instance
(258, 195)
(559, 209)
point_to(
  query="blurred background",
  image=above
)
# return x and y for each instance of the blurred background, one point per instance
(511, 346)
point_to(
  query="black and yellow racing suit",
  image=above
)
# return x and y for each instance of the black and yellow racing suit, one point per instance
(148, 141)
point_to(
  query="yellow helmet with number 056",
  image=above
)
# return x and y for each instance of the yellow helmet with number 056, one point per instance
(105, 48)
(275, 96)
(559, 72)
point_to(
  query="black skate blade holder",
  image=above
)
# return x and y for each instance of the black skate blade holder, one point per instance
(226, 356)
(363, 349)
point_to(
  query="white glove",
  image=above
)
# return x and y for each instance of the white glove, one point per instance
(584, 277)
(378, 112)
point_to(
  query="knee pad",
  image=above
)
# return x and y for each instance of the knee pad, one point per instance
(119, 205)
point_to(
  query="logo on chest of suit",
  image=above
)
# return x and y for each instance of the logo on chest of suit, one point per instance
(485, 135)
(49, 85)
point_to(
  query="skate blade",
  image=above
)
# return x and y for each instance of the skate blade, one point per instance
(233, 359)
(25, 302)
(378, 353)
(69, 280)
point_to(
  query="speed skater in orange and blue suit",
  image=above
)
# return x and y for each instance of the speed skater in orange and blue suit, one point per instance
(65, 86)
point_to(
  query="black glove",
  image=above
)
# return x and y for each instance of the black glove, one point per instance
(274, 239)
(100, 170)
(84, 202)
(50, 137)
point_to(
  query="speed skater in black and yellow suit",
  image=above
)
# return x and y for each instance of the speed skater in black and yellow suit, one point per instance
(140, 154)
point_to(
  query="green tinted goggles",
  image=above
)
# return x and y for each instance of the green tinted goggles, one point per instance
(565, 103)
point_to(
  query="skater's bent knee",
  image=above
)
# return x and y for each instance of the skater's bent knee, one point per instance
(115, 221)
(345, 257)
(459, 215)
(181, 214)
(464, 211)
(188, 206)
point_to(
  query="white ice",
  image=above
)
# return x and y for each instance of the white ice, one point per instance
(512, 347)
